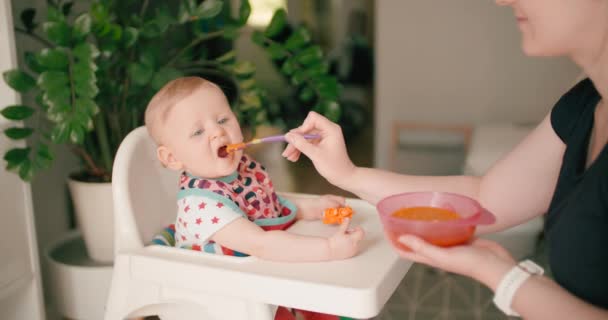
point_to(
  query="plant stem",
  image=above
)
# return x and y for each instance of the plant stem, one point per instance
(35, 36)
(94, 169)
(144, 7)
(194, 43)
(102, 137)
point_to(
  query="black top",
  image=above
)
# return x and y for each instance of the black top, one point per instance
(577, 221)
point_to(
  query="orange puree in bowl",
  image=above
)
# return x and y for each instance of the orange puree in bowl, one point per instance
(426, 214)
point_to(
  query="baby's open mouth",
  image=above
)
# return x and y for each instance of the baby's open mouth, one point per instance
(221, 152)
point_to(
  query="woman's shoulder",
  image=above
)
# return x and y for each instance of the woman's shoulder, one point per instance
(569, 108)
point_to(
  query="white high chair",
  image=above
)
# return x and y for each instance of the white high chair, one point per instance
(172, 282)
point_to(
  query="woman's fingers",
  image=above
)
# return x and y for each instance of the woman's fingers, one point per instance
(300, 143)
(421, 247)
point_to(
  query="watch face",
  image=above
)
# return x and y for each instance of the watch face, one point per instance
(531, 267)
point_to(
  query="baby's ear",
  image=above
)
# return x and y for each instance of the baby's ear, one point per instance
(166, 157)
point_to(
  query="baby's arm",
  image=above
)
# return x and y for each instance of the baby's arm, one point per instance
(244, 236)
(312, 208)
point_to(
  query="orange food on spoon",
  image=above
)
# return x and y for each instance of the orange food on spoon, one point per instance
(235, 146)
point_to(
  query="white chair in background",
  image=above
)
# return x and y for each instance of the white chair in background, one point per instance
(182, 284)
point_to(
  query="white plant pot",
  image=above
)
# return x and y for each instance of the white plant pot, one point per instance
(95, 217)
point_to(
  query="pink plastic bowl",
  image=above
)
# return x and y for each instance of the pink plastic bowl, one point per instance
(441, 233)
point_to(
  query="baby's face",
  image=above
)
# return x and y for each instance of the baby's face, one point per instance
(195, 130)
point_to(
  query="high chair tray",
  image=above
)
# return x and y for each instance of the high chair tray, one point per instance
(357, 287)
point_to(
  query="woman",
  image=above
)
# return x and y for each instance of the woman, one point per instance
(560, 169)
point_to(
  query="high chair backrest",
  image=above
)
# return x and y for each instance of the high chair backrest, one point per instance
(144, 192)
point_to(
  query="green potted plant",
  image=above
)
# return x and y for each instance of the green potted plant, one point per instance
(99, 67)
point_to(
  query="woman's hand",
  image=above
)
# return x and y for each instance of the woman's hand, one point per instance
(483, 260)
(328, 153)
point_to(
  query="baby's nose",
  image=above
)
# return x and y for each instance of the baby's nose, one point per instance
(217, 132)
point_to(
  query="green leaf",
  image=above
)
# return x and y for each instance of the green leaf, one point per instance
(276, 51)
(149, 57)
(43, 157)
(151, 29)
(328, 87)
(129, 36)
(317, 69)
(17, 112)
(330, 109)
(250, 99)
(58, 32)
(16, 133)
(16, 155)
(231, 32)
(26, 172)
(67, 8)
(56, 87)
(258, 38)
(276, 25)
(163, 76)
(77, 133)
(227, 58)
(85, 82)
(244, 12)
(32, 62)
(244, 68)
(60, 132)
(40, 101)
(88, 106)
(18, 80)
(288, 67)
(306, 94)
(82, 25)
(298, 77)
(53, 14)
(27, 18)
(247, 84)
(183, 14)
(298, 38)
(163, 17)
(310, 55)
(85, 51)
(53, 59)
(115, 33)
(54, 81)
(208, 9)
(140, 73)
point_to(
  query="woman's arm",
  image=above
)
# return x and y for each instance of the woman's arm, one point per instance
(516, 189)
(538, 298)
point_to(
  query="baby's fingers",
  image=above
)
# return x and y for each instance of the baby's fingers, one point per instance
(357, 234)
(343, 226)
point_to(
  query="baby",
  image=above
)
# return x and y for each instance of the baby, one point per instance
(226, 201)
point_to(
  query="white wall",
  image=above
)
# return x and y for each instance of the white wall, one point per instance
(49, 189)
(20, 287)
(457, 62)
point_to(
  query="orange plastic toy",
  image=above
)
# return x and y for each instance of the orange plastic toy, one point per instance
(336, 215)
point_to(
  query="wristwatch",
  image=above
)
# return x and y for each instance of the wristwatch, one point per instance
(511, 282)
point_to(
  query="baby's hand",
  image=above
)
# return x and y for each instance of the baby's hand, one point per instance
(345, 243)
(312, 209)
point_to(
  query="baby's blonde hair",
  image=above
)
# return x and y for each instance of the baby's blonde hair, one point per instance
(166, 98)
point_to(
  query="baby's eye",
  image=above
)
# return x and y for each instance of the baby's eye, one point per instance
(197, 132)
(223, 120)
